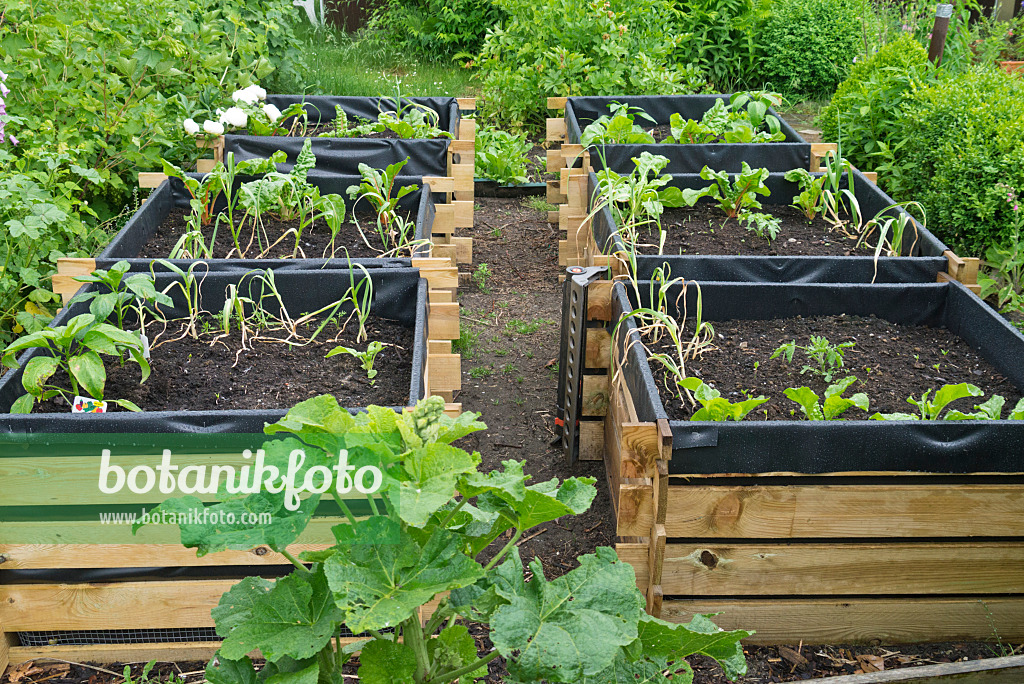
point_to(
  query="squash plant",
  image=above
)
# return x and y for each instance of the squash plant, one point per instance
(432, 523)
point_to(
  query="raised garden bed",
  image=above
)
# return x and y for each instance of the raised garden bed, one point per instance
(148, 596)
(826, 532)
(698, 246)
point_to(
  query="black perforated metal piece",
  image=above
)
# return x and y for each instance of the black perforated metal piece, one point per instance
(572, 353)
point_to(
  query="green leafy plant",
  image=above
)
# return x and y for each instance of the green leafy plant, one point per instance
(431, 29)
(394, 232)
(359, 297)
(144, 677)
(434, 514)
(764, 226)
(617, 128)
(404, 118)
(930, 408)
(716, 408)
(835, 404)
(480, 276)
(722, 39)
(76, 349)
(119, 294)
(501, 156)
(365, 357)
(733, 196)
(826, 357)
(1002, 279)
(639, 199)
(744, 120)
(810, 199)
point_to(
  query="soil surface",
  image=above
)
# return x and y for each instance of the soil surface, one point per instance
(314, 244)
(329, 130)
(208, 375)
(704, 229)
(892, 362)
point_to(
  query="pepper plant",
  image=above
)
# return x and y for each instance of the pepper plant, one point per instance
(431, 525)
(735, 195)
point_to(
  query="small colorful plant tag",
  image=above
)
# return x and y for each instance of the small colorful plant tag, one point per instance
(145, 345)
(88, 405)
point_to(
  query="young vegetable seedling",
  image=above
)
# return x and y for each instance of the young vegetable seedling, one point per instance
(714, 407)
(366, 357)
(827, 357)
(834, 405)
(734, 196)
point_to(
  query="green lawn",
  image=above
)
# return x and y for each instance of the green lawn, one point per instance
(337, 64)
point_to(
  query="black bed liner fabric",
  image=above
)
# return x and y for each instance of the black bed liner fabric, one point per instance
(398, 294)
(171, 194)
(343, 155)
(751, 446)
(925, 251)
(580, 112)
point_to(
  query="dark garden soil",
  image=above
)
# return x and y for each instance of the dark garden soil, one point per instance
(892, 362)
(537, 163)
(314, 244)
(509, 347)
(193, 375)
(328, 130)
(703, 229)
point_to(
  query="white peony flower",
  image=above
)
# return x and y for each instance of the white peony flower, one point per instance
(191, 127)
(250, 95)
(213, 127)
(261, 93)
(272, 112)
(234, 117)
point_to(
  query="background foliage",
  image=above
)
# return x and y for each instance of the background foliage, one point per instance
(434, 30)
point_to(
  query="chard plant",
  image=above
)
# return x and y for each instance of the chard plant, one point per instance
(834, 405)
(810, 199)
(406, 120)
(618, 128)
(437, 525)
(734, 196)
(716, 408)
(77, 348)
(639, 199)
(744, 120)
(366, 357)
(827, 358)
(930, 408)
(394, 232)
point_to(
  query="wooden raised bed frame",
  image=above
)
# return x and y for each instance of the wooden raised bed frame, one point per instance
(838, 558)
(181, 603)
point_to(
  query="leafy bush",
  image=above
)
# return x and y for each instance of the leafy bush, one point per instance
(434, 515)
(866, 105)
(719, 37)
(807, 46)
(566, 47)
(958, 140)
(430, 29)
(98, 91)
(501, 156)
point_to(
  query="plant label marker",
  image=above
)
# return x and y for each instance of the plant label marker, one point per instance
(88, 405)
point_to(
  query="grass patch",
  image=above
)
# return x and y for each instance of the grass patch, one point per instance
(479, 372)
(540, 204)
(466, 344)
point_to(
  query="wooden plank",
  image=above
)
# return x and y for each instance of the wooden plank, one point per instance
(447, 252)
(440, 184)
(595, 395)
(7, 641)
(599, 301)
(463, 250)
(598, 352)
(49, 556)
(553, 216)
(443, 321)
(554, 161)
(857, 620)
(441, 296)
(444, 220)
(871, 176)
(556, 102)
(453, 410)
(636, 512)
(439, 346)
(205, 165)
(118, 653)
(655, 568)
(466, 104)
(461, 148)
(554, 194)
(467, 129)
(445, 372)
(1008, 670)
(900, 568)
(463, 213)
(151, 179)
(591, 440)
(860, 510)
(112, 605)
(555, 130)
(463, 176)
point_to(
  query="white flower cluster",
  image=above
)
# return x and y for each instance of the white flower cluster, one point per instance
(250, 95)
(236, 117)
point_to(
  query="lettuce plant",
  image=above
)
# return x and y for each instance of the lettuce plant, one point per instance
(714, 406)
(835, 403)
(617, 128)
(734, 196)
(501, 156)
(437, 524)
(930, 408)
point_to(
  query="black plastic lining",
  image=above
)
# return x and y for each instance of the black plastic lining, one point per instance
(836, 446)
(580, 112)
(343, 155)
(171, 194)
(77, 575)
(398, 294)
(925, 258)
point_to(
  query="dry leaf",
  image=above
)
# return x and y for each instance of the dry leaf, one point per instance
(21, 671)
(871, 663)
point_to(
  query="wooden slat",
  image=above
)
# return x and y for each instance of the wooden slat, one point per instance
(445, 372)
(443, 322)
(591, 440)
(440, 183)
(598, 352)
(151, 179)
(554, 194)
(453, 410)
(467, 104)
(556, 102)
(900, 568)
(114, 605)
(205, 165)
(463, 249)
(467, 129)
(463, 177)
(1006, 670)
(120, 653)
(556, 130)
(854, 621)
(48, 556)
(441, 296)
(554, 161)
(7, 641)
(636, 508)
(599, 301)
(860, 510)
(463, 213)
(819, 152)
(444, 220)
(595, 395)
(439, 346)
